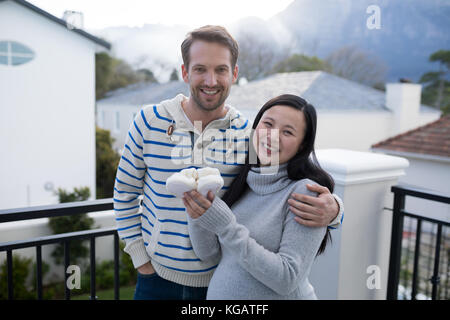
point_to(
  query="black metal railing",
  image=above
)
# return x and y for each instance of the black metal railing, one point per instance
(409, 243)
(64, 209)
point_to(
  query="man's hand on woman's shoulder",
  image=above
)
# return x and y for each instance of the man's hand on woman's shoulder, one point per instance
(314, 211)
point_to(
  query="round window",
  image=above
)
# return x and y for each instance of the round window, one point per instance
(13, 53)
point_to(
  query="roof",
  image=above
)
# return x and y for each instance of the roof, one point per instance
(144, 93)
(323, 90)
(431, 139)
(81, 32)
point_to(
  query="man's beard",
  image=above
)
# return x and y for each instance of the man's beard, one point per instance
(196, 93)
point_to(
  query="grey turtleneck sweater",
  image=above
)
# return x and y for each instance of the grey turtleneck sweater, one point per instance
(266, 254)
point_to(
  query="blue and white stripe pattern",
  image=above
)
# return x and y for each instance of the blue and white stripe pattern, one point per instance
(148, 159)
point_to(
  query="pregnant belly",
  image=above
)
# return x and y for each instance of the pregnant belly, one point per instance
(232, 282)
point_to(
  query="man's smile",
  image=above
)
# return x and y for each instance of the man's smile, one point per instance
(209, 92)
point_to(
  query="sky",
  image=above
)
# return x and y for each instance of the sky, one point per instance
(100, 14)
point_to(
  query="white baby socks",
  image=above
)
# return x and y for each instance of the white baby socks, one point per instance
(204, 180)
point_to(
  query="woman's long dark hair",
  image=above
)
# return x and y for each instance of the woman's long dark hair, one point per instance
(303, 165)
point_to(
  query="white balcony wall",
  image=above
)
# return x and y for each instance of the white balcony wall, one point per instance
(30, 229)
(363, 181)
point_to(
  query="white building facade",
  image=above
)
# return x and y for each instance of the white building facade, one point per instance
(427, 149)
(349, 115)
(47, 106)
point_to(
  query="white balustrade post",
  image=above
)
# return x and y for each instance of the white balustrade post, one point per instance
(355, 265)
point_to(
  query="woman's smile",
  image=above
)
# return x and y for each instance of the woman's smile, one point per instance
(279, 134)
(269, 149)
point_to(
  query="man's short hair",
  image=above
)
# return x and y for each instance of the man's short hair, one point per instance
(210, 33)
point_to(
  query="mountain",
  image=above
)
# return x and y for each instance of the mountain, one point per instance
(153, 46)
(410, 30)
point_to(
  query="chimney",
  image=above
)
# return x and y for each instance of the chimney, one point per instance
(74, 19)
(403, 99)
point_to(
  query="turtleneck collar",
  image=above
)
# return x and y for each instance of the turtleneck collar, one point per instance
(265, 180)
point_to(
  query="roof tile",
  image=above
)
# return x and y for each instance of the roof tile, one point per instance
(430, 139)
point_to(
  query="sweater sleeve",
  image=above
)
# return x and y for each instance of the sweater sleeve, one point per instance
(337, 222)
(129, 185)
(281, 271)
(204, 242)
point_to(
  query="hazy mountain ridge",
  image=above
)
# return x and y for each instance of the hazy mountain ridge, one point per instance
(410, 31)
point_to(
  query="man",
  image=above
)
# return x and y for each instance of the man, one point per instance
(174, 135)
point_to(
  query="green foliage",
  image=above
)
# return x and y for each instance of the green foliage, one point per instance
(441, 56)
(21, 269)
(436, 86)
(128, 273)
(107, 161)
(71, 223)
(300, 62)
(112, 73)
(78, 194)
(430, 92)
(103, 74)
(105, 274)
(147, 75)
(49, 292)
(104, 278)
(174, 75)
(122, 75)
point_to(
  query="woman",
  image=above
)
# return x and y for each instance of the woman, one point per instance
(266, 254)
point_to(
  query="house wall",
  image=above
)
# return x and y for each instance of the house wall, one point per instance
(426, 173)
(353, 130)
(433, 175)
(107, 119)
(356, 130)
(47, 123)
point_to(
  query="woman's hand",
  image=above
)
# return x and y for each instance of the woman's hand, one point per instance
(196, 204)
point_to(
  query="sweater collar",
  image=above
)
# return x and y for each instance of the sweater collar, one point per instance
(174, 108)
(265, 180)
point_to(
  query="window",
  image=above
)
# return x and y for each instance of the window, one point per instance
(13, 53)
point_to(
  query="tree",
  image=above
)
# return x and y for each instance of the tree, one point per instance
(71, 223)
(78, 194)
(103, 74)
(146, 75)
(257, 56)
(122, 75)
(112, 73)
(436, 91)
(301, 62)
(107, 161)
(174, 75)
(357, 65)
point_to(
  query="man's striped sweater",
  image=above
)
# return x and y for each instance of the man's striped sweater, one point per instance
(156, 229)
